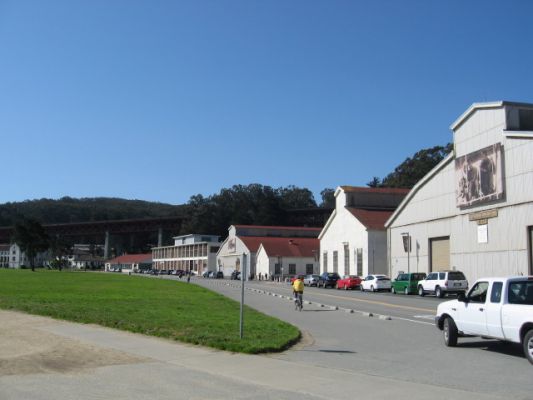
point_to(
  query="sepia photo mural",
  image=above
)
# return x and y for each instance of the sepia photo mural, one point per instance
(479, 176)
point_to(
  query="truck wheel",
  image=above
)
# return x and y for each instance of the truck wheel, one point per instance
(438, 292)
(406, 291)
(361, 287)
(392, 290)
(528, 346)
(337, 286)
(450, 332)
(421, 291)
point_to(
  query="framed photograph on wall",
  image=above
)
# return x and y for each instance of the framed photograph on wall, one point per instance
(479, 176)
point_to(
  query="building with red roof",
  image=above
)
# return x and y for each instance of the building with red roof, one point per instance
(354, 239)
(129, 263)
(283, 257)
(244, 241)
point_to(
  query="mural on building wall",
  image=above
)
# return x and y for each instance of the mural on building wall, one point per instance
(232, 245)
(479, 176)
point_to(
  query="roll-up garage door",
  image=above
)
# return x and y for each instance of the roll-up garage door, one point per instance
(440, 253)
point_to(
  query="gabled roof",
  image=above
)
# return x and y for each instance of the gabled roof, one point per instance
(286, 247)
(131, 259)
(283, 246)
(371, 219)
(484, 106)
(449, 158)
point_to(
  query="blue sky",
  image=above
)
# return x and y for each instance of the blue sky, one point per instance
(162, 100)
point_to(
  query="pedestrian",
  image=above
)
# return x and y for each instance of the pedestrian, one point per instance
(189, 276)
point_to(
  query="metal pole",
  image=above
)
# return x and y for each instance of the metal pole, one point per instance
(408, 253)
(243, 277)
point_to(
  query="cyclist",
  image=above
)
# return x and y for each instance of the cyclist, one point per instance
(298, 291)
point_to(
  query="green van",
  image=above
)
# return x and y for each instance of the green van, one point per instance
(407, 283)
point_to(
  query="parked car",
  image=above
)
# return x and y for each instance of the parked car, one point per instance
(442, 282)
(376, 283)
(328, 279)
(498, 308)
(205, 274)
(311, 280)
(219, 275)
(349, 282)
(407, 283)
(235, 275)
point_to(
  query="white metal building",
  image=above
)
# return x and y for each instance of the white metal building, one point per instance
(474, 211)
(354, 240)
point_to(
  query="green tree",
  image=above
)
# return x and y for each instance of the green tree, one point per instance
(31, 237)
(328, 198)
(59, 247)
(408, 173)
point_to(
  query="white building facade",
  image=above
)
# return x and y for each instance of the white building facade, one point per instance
(4, 255)
(354, 239)
(196, 253)
(474, 211)
(281, 258)
(243, 241)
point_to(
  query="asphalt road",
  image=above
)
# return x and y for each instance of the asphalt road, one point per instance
(399, 341)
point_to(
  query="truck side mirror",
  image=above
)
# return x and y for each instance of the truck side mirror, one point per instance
(461, 297)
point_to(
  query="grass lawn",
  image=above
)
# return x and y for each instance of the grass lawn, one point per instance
(157, 307)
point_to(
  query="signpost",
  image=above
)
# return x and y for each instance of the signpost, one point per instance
(243, 278)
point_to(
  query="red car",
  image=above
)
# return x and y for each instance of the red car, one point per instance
(348, 282)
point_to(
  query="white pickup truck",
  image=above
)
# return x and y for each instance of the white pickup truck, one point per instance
(499, 308)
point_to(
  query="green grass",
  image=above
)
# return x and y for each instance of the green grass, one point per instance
(157, 307)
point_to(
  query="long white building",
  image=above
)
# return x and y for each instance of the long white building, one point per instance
(474, 211)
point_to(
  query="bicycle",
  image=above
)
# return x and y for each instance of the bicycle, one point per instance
(298, 301)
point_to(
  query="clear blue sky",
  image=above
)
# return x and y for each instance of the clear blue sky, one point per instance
(161, 100)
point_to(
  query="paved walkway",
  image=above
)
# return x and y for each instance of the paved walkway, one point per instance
(42, 358)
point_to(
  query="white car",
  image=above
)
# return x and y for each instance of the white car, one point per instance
(375, 283)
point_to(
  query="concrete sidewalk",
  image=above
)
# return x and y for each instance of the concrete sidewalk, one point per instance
(42, 358)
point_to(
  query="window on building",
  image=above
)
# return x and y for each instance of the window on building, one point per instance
(292, 269)
(335, 261)
(309, 269)
(277, 269)
(359, 257)
(325, 261)
(346, 260)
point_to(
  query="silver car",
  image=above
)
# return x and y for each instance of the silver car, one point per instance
(311, 280)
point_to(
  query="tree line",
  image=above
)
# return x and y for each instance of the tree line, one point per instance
(252, 204)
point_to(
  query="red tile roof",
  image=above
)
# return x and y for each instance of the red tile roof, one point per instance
(372, 219)
(131, 259)
(357, 189)
(285, 247)
(301, 228)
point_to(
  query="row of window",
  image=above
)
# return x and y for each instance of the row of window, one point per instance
(193, 250)
(358, 261)
(194, 265)
(292, 269)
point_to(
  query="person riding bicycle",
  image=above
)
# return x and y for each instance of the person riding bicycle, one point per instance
(298, 289)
